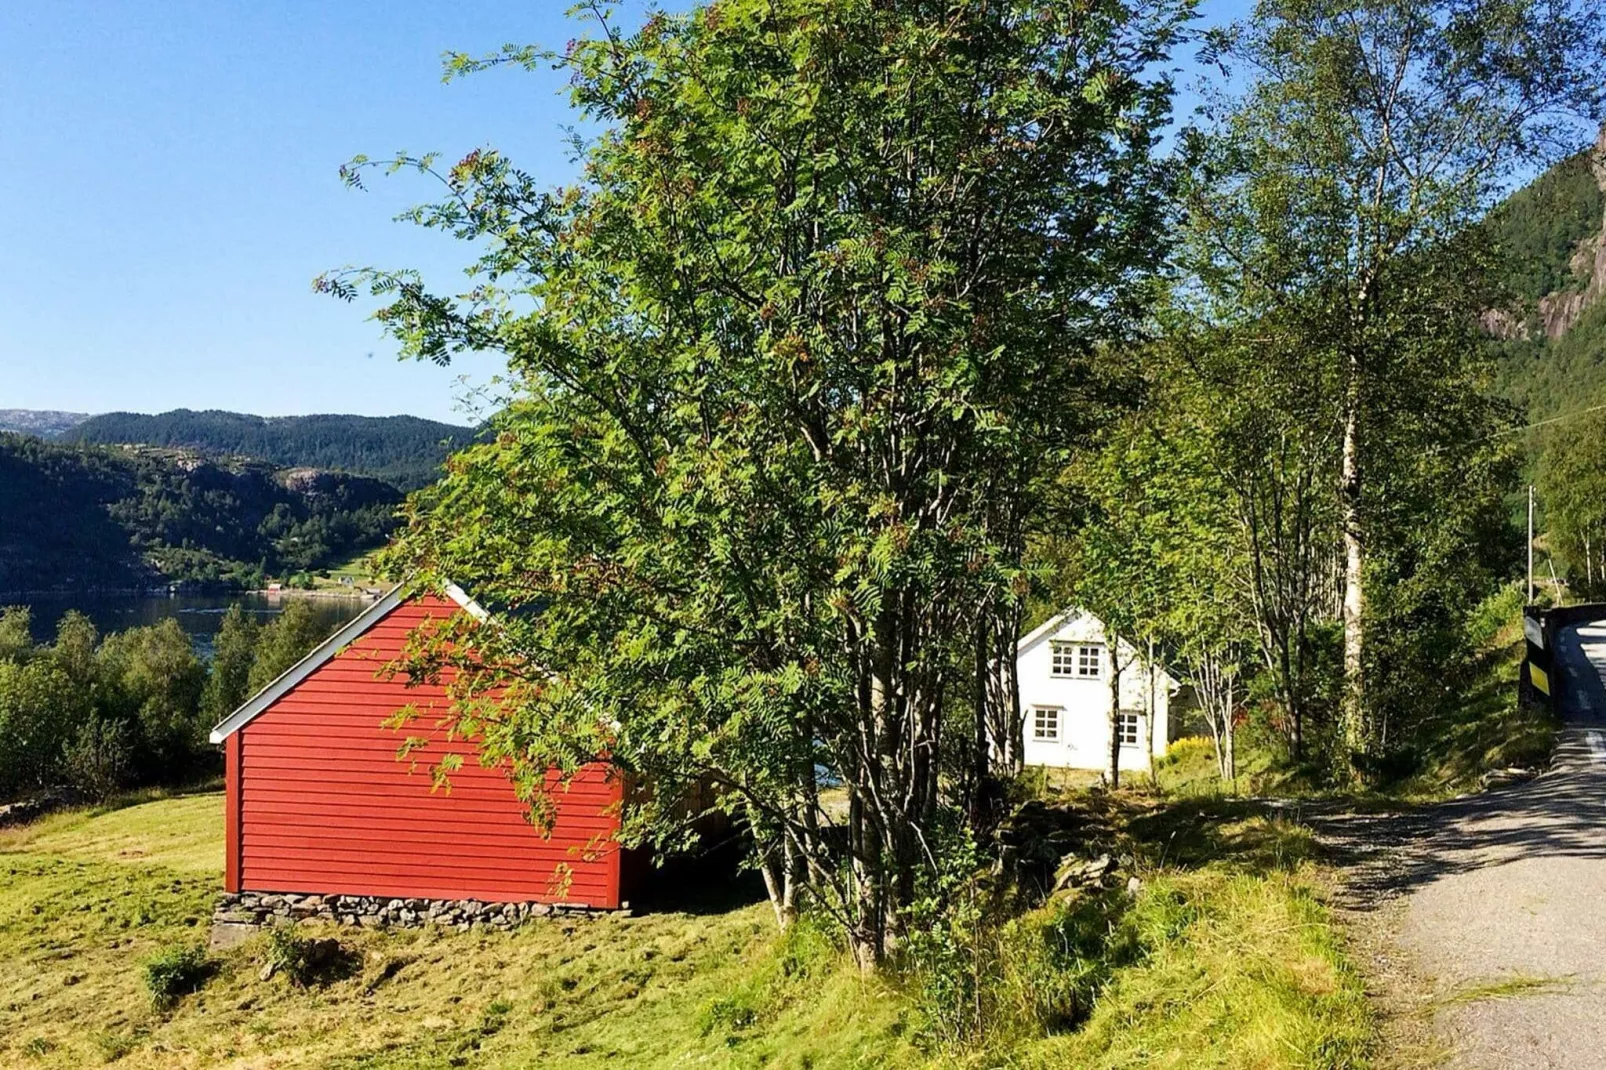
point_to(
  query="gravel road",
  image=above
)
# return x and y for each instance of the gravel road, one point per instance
(1497, 902)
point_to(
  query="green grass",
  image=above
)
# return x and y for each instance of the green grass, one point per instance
(87, 897)
(1239, 970)
(1490, 731)
(1229, 961)
(1506, 988)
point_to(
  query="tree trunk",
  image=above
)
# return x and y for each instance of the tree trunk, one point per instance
(1148, 735)
(1354, 730)
(1227, 735)
(779, 867)
(1112, 775)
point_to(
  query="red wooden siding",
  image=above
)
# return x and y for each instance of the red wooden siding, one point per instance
(324, 806)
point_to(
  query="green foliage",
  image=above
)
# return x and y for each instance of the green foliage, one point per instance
(100, 715)
(100, 760)
(1366, 295)
(16, 633)
(89, 516)
(175, 972)
(1535, 232)
(153, 681)
(1571, 480)
(281, 643)
(303, 960)
(405, 451)
(39, 707)
(791, 361)
(978, 976)
(228, 684)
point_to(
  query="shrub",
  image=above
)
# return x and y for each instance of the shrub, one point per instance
(39, 707)
(1500, 609)
(306, 961)
(176, 972)
(1187, 750)
(99, 762)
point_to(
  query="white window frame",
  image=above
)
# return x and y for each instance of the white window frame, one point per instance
(1135, 719)
(1070, 660)
(1049, 729)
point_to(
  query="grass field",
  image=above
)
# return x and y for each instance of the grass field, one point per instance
(1232, 962)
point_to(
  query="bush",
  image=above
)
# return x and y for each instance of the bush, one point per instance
(176, 972)
(99, 762)
(1494, 613)
(1187, 751)
(306, 961)
(39, 709)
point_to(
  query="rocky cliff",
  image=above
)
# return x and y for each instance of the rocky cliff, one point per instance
(1561, 310)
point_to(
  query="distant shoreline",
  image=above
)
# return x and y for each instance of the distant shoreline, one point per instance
(354, 594)
(348, 594)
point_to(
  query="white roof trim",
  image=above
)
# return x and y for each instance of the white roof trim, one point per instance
(471, 607)
(1048, 627)
(348, 633)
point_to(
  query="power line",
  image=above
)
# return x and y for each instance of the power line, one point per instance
(1540, 423)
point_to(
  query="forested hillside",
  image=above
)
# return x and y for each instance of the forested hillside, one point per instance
(405, 451)
(94, 516)
(1550, 242)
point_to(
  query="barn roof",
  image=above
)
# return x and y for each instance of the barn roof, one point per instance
(345, 636)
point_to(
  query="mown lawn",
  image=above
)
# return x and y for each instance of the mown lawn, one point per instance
(1236, 964)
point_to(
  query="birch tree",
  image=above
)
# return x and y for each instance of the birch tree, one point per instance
(1367, 132)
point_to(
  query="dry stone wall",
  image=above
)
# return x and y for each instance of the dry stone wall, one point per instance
(375, 912)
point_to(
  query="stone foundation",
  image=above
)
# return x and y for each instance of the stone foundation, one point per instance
(257, 909)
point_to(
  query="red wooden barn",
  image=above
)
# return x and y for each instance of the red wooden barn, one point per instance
(318, 802)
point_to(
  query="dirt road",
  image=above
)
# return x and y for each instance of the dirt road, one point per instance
(1497, 903)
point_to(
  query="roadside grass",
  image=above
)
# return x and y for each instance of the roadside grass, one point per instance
(1240, 970)
(1490, 731)
(1229, 960)
(1234, 961)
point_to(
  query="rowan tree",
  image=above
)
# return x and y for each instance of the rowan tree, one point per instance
(789, 363)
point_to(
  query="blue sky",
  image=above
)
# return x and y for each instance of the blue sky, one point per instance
(169, 189)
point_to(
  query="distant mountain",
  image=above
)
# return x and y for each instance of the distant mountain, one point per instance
(1551, 241)
(83, 516)
(46, 423)
(405, 451)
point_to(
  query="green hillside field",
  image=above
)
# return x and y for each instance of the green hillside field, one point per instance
(1227, 960)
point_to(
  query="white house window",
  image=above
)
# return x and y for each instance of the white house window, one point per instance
(1046, 723)
(1082, 660)
(1129, 728)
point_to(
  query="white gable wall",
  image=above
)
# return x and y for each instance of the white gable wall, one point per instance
(1084, 704)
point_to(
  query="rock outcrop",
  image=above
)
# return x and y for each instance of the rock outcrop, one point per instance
(1560, 311)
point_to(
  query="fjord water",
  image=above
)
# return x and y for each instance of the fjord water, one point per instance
(200, 615)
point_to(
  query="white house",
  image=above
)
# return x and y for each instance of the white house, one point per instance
(1063, 668)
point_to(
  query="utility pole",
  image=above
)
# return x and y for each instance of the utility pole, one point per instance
(1530, 544)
